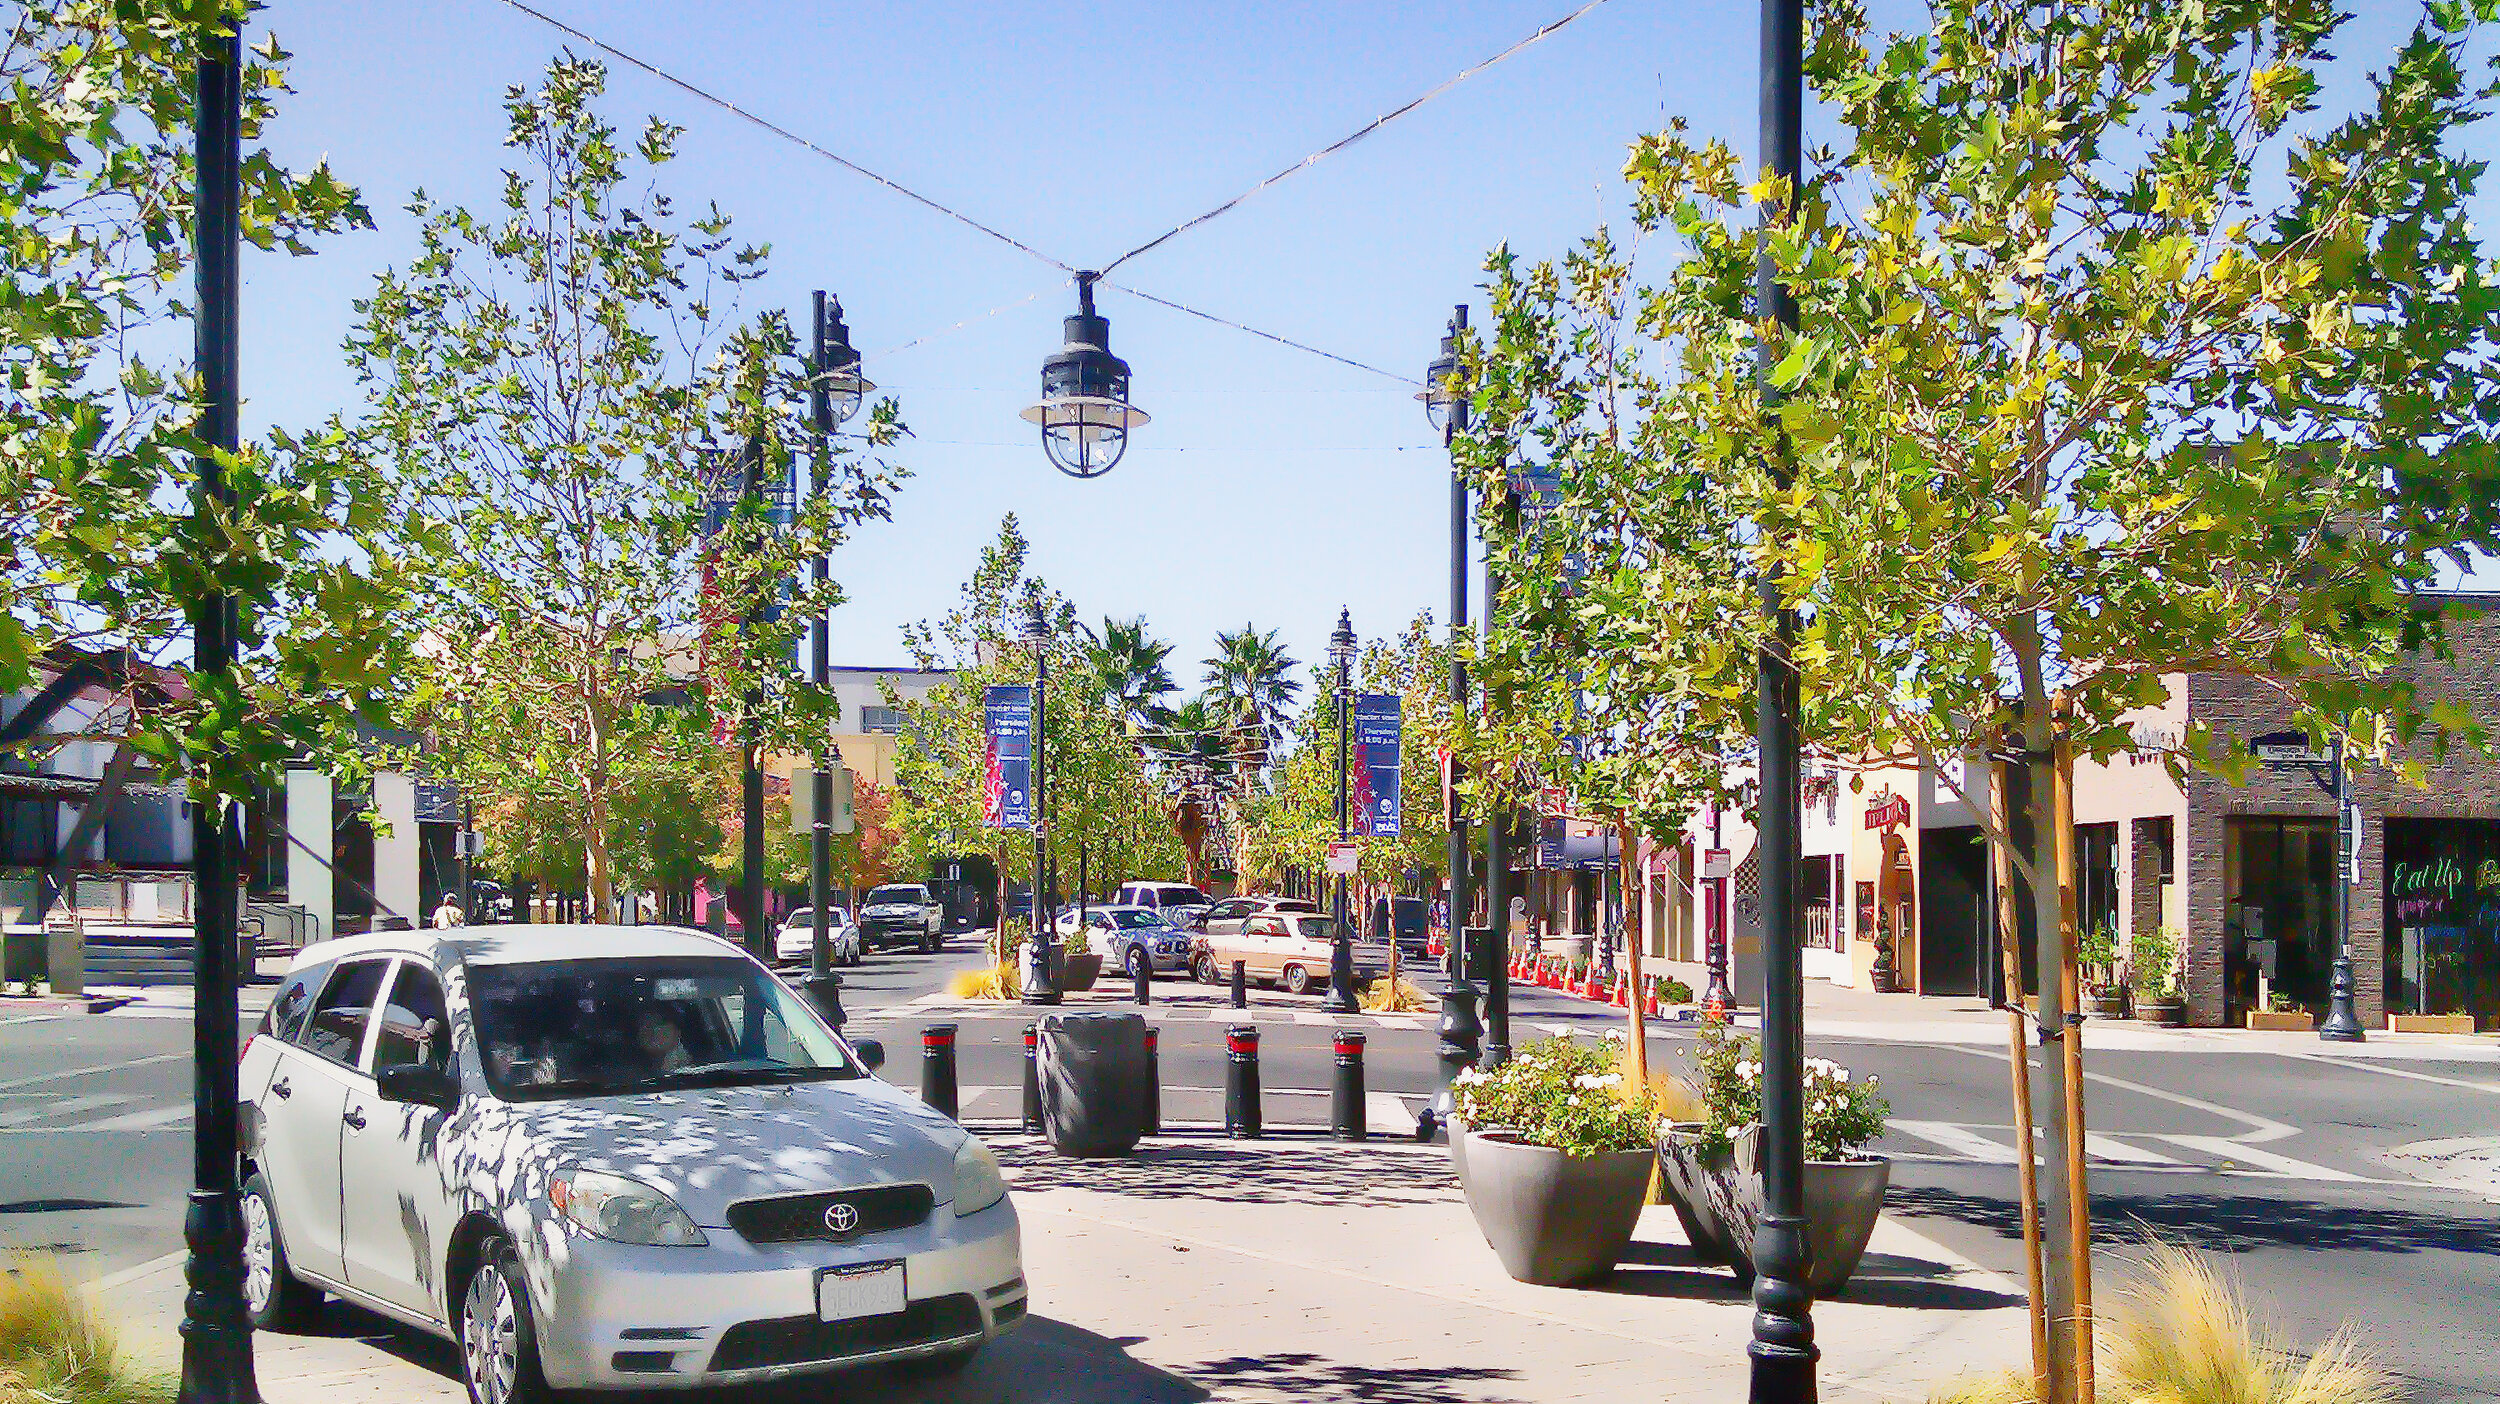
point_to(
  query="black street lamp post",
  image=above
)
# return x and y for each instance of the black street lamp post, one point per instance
(1494, 960)
(216, 1334)
(1341, 951)
(1783, 1350)
(835, 389)
(2343, 1024)
(1036, 984)
(1461, 1033)
(751, 753)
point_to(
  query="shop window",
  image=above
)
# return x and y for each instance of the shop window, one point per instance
(2278, 922)
(2443, 916)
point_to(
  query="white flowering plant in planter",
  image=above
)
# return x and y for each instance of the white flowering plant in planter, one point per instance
(1843, 1113)
(1561, 1094)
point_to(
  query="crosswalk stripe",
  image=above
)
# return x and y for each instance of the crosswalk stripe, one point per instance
(2110, 1148)
(1388, 1115)
(56, 1112)
(2242, 1154)
(1970, 1145)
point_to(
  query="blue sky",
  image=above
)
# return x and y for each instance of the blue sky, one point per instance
(1272, 487)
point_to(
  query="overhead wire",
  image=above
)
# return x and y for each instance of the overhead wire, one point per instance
(776, 129)
(786, 134)
(1358, 134)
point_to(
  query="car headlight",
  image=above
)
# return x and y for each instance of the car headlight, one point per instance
(978, 1185)
(622, 1210)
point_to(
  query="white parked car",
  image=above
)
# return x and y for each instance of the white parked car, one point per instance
(1127, 937)
(796, 943)
(607, 1157)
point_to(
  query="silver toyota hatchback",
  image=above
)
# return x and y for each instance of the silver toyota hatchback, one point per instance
(608, 1157)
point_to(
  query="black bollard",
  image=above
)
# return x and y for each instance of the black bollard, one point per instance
(1154, 1081)
(1241, 1081)
(937, 1067)
(1349, 1115)
(825, 992)
(1033, 1078)
(1142, 978)
(1241, 985)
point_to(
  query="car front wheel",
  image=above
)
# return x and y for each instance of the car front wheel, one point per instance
(498, 1339)
(1206, 970)
(276, 1299)
(1297, 980)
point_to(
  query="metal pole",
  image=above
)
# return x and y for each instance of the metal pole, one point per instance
(1783, 1349)
(1341, 951)
(1494, 961)
(822, 984)
(751, 753)
(2343, 1024)
(216, 1334)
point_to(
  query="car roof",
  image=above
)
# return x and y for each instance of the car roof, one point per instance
(503, 945)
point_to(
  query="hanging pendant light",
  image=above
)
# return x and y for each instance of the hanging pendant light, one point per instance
(1084, 410)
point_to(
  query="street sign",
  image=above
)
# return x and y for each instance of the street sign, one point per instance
(2284, 749)
(1716, 863)
(803, 800)
(2352, 846)
(1344, 858)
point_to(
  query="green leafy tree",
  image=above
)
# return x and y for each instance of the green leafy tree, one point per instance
(1130, 663)
(1250, 677)
(2118, 358)
(559, 393)
(99, 549)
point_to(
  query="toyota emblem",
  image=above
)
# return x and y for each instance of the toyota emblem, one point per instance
(841, 1218)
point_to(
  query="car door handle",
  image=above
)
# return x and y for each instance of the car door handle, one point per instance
(282, 1088)
(355, 1118)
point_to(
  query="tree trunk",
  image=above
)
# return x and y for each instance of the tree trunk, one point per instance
(1639, 1032)
(2049, 1095)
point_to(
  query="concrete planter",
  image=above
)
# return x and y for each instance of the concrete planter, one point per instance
(1843, 1198)
(1687, 1171)
(1553, 1219)
(2289, 1021)
(1078, 972)
(2430, 1023)
(2105, 1003)
(2161, 1013)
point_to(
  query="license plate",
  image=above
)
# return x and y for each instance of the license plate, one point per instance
(862, 1289)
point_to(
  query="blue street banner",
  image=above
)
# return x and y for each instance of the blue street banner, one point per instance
(1007, 758)
(1375, 771)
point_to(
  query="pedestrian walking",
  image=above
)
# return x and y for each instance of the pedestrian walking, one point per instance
(449, 915)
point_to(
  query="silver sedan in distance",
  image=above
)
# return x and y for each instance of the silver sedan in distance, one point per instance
(601, 1157)
(1126, 937)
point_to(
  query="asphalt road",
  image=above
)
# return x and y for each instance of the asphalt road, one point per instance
(2281, 1163)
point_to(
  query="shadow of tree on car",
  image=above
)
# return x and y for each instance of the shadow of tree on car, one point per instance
(1316, 1173)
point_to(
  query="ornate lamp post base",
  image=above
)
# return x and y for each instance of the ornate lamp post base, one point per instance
(1462, 1036)
(2342, 1024)
(216, 1336)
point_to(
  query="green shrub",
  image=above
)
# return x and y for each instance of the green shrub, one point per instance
(2153, 963)
(1563, 1094)
(1842, 1113)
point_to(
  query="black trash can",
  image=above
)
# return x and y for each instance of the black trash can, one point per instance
(1093, 1070)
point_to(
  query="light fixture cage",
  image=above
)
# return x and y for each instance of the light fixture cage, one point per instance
(846, 389)
(1440, 393)
(1084, 411)
(1342, 643)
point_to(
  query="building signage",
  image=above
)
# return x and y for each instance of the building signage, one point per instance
(1887, 809)
(2286, 748)
(1376, 767)
(1007, 757)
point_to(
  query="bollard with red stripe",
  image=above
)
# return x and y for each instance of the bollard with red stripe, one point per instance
(1154, 1081)
(937, 1067)
(1241, 1082)
(1349, 1116)
(1033, 1079)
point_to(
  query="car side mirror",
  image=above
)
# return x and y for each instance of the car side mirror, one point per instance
(419, 1084)
(871, 1053)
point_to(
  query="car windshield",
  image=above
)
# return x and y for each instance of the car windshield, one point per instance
(1133, 920)
(894, 894)
(1315, 928)
(1182, 897)
(595, 1028)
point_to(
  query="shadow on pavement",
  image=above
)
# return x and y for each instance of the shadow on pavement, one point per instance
(1295, 1375)
(1317, 1173)
(336, 1320)
(2230, 1222)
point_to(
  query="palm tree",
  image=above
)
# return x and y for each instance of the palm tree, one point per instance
(1194, 745)
(1250, 678)
(1130, 664)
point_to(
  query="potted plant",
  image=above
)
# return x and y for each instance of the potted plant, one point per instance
(2096, 956)
(1553, 1151)
(1079, 965)
(1716, 1163)
(2153, 974)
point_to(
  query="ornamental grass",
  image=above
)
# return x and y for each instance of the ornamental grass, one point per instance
(55, 1349)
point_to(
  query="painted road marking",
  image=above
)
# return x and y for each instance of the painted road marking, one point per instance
(2410, 1076)
(1964, 1144)
(2241, 1153)
(58, 1112)
(2110, 1148)
(95, 1068)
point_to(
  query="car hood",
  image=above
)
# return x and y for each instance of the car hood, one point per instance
(708, 1148)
